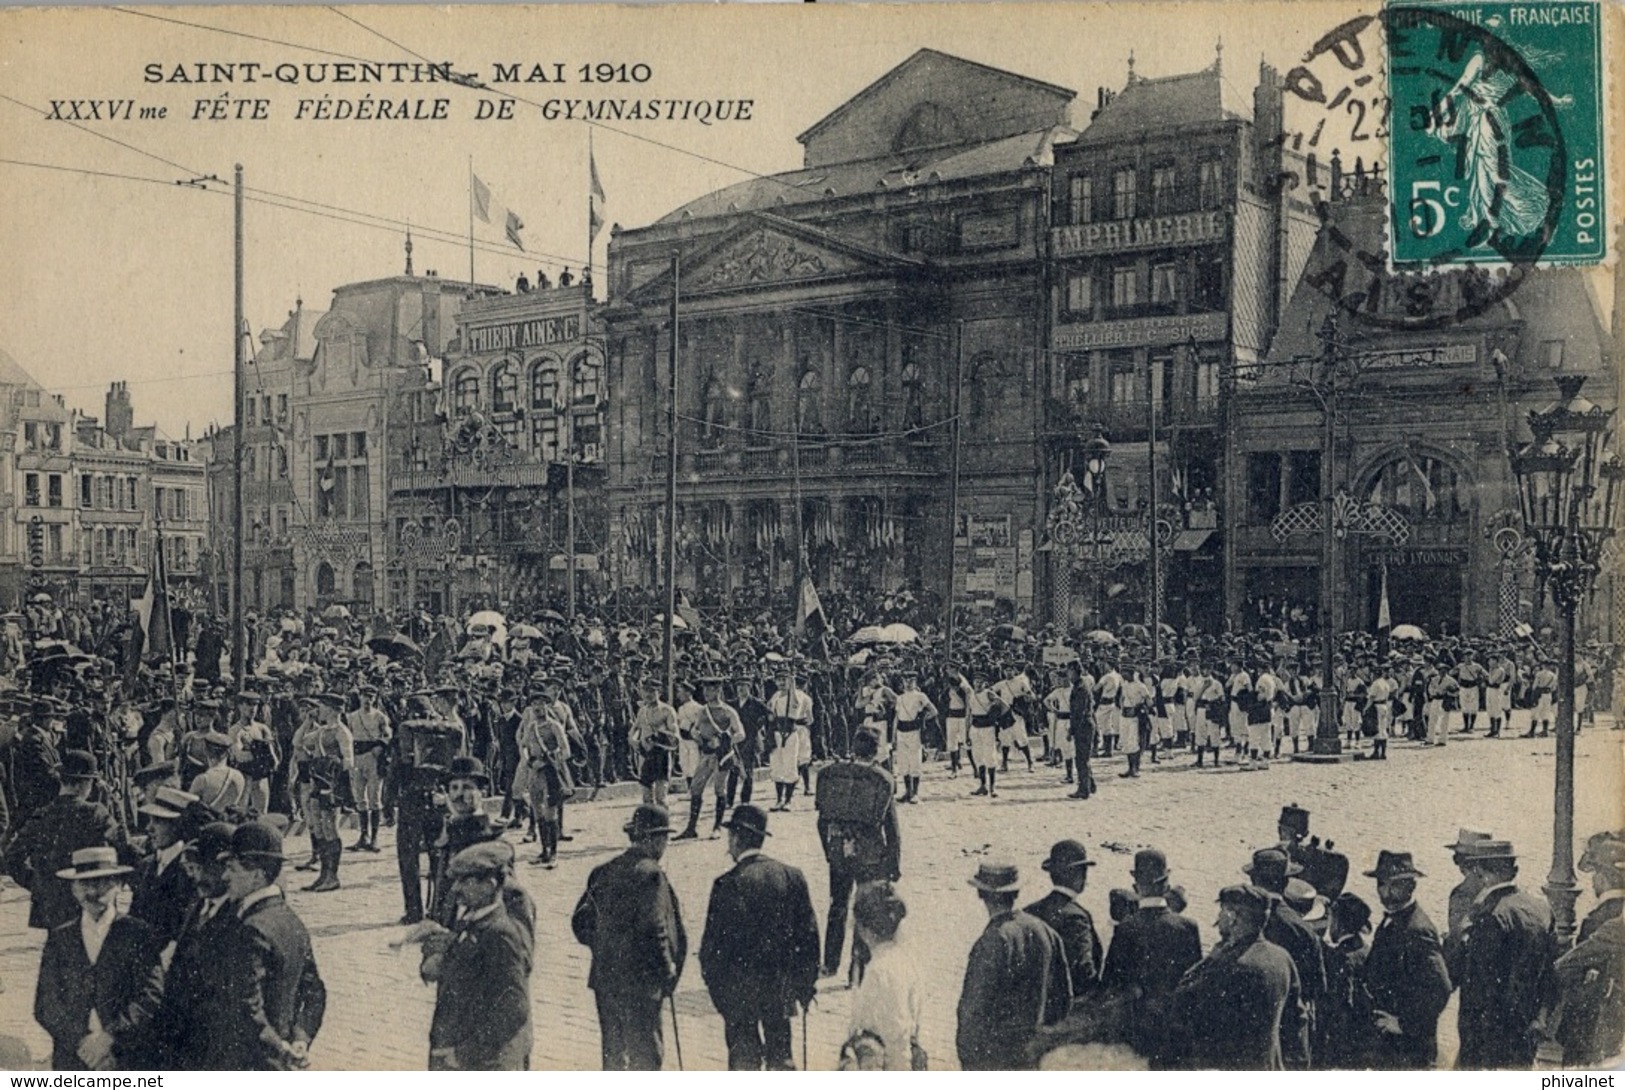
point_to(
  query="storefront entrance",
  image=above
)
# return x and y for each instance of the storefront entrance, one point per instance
(1425, 595)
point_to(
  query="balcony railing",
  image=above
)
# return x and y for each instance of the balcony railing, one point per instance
(816, 457)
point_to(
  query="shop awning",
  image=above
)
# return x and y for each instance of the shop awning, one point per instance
(1188, 541)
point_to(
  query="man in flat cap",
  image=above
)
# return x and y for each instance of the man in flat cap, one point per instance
(482, 970)
(280, 999)
(1016, 980)
(46, 842)
(1504, 966)
(101, 977)
(629, 916)
(1068, 869)
(1232, 1011)
(759, 952)
(1405, 970)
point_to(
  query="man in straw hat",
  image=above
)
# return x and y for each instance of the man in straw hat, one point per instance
(1504, 965)
(1016, 979)
(759, 953)
(161, 889)
(1466, 891)
(629, 916)
(47, 840)
(482, 971)
(1405, 970)
(100, 978)
(281, 999)
(1068, 869)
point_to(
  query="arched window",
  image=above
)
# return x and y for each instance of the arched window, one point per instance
(544, 385)
(324, 581)
(860, 406)
(1420, 487)
(504, 388)
(913, 397)
(465, 392)
(363, 584)
(809, 409)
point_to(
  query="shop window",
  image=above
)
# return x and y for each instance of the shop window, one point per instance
(1080, 294)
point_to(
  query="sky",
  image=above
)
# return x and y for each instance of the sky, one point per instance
(108, 278)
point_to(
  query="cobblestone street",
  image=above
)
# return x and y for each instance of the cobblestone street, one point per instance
(1208, 821)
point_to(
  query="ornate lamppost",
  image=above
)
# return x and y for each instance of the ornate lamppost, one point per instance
(1096, 453)
(1567, 485)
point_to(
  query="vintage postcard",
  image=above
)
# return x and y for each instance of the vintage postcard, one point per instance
(998, 536)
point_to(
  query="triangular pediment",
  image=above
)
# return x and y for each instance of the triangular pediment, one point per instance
(765, 251)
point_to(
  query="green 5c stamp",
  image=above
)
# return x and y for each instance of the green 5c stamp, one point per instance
(1496, 146)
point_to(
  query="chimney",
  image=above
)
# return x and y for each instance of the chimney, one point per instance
(120, 415)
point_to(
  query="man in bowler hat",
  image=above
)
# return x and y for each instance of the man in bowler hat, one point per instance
(1153, 946)
(630, 918)
(759, 952)
(1016, 979)
(1068, 868)
(1286, 928)
(1405, 970)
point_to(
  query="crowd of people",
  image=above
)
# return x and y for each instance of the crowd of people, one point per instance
(470, 739)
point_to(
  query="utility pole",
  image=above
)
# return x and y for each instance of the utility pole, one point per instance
(570, 493)
(1327, 743)
(671, 490)
(957, 402)
(239, 638)
(1154, 560)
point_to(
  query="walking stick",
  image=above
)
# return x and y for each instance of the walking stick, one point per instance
(676, 1034)
(804, 1008)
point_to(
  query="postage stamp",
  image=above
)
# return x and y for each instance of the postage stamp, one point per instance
(1496, 146)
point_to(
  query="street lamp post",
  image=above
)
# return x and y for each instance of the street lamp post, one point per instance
(1327, 744)
(1096, 453)
(1567, 486)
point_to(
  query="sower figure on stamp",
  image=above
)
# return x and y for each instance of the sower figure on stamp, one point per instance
(759, 953)
(630, 918)
(857, 825)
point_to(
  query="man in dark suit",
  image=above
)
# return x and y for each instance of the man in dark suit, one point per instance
(1068, 867)
(1587, 1022)
(482, 966)
(1269, 871)
(1081, 725)
(279, 1007)
(1153, 947)
(1405, 970)
(630, 918)
(759, 953)
(1233, 1009)
(197, 984)
(1505, 966)
(46, 842)
(1016, 980)
(161, 891)
(100, 978)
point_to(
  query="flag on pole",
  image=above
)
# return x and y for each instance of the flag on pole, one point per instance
(1384, 620)
(686, 610)
(810, 619)
(482, 199)
(595, 199)
(512, 227)
(152, 608)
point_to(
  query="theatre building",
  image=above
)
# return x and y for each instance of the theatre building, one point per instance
(1171, 255)
(1425, 422)
(831, 318)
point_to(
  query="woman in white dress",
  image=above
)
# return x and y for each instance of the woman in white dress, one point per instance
(887, 1004)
